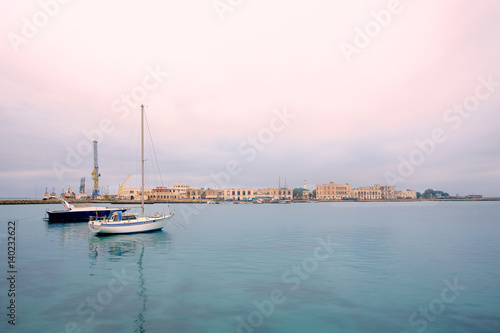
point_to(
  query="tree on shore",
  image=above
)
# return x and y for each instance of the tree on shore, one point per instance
(430, 193)
(297, 192)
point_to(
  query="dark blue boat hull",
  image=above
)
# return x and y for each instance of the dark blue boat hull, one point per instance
(78, 216)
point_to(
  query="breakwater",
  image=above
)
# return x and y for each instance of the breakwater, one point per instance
(188, 201)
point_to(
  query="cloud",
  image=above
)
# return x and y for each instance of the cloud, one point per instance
(226, 77)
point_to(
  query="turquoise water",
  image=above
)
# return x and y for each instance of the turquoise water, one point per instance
(315, 267)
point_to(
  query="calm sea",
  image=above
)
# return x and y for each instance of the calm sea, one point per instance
(311, 267)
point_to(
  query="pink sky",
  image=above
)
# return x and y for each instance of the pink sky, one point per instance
(352, 120)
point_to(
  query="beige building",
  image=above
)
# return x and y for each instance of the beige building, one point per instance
(195, 193)
(181, 189)
(408, 194)
(134, 194)
(274, 193)
(332, 191)
(163, 193)
(183, 192)
(213, 194)
(177, 192)
(388, 192)
(368, 193)
(240, 194)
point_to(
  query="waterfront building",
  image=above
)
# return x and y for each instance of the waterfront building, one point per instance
(129, 193)
(388, 192)
(181, 189)
(332, 191)
(240, 194)
(408, 194)
(274, 193)
(133, 193)
(213, 194)
(285, 193)
(177, 192)
(368, 192)
(194, 193)
(329, 191)
(163, 193)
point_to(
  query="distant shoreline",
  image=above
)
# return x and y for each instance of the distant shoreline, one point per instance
(204, 201)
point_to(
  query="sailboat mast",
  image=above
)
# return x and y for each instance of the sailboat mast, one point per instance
(142, 158)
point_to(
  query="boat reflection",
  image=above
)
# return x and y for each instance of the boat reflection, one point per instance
(132, 247)
(143, 296)
(115, 247)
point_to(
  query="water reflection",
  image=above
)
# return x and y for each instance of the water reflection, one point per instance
(143, 296)
(67, 231)
(117, 247)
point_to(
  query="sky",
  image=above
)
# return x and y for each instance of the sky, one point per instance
(241, 92)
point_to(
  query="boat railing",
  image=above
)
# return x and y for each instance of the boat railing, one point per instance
(97, 218)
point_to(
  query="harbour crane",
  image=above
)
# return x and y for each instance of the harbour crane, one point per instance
(124, 186)
(95, 173)
(82, 185)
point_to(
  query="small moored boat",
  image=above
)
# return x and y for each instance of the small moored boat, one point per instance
(81, 212)
(118, 223)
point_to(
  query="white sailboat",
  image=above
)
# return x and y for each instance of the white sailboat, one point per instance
(123, 223)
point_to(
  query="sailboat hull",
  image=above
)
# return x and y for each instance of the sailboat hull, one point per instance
(142, 224)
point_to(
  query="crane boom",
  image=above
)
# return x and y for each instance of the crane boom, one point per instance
(126, 182)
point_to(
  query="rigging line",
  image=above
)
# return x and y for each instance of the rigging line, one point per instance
(147, 161)
(138, 160)
(149, 165)
(122, 155)
(154, 150)
(150, 146)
